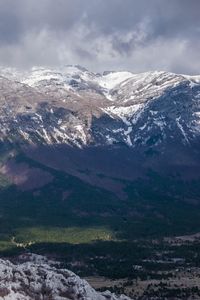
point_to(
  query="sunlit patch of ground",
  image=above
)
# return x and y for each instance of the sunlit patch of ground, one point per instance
(71, 235)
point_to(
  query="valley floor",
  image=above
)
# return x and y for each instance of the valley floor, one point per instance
(183, 284)
(174, 278)
(156, 269)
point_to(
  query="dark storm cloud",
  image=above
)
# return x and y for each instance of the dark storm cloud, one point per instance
(10, 25)
(101, 34)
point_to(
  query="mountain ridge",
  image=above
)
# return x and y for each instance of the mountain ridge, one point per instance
(74, 100)
(116, 123)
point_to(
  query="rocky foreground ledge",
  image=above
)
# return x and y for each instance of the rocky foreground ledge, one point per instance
(34, 277)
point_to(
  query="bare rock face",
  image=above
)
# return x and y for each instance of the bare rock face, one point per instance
(38, 279)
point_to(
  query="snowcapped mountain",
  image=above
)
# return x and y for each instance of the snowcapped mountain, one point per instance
(140, 121)
(73, 142)
(73, 106)
(38, 279)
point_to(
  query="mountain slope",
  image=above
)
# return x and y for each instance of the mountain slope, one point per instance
(118, 124)
(97, 157)
(76, 107)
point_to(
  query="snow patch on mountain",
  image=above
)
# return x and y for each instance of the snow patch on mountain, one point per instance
(182, 130)
(110, 80)
(125, 113)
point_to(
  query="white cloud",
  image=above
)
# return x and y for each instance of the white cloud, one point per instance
(101, 35)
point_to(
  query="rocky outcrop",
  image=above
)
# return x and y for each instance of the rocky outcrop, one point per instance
(39, 279)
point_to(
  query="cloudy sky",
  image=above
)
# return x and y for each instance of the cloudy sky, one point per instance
(136, 35)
